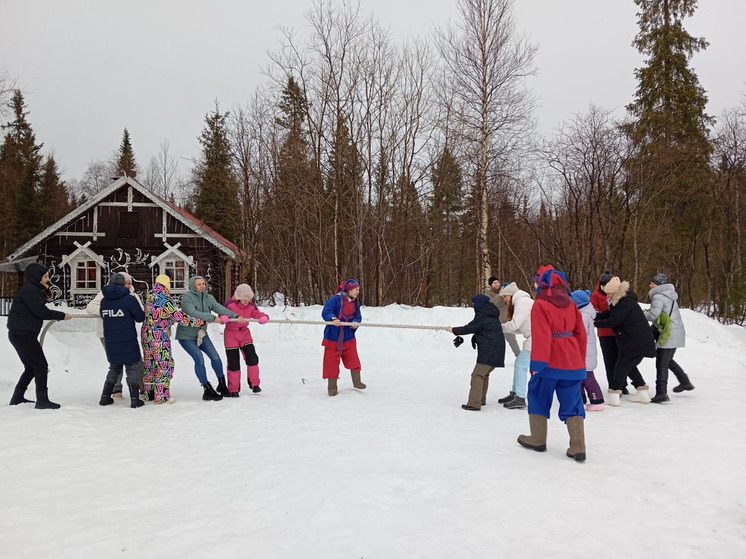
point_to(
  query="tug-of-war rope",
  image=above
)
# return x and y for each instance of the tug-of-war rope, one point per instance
(284, 321)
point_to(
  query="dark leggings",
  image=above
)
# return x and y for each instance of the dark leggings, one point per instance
(626, 366)
(610, 351)
(663, 362)
(34, 362)
(234, 359)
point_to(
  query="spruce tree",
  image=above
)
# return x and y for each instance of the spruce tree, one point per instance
(126, 166)
(216, 198)
(55, 199)
(20, 163)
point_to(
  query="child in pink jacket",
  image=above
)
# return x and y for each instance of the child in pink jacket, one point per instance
(237, 337)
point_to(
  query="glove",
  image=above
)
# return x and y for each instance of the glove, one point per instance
(224, 318)
(263, 319)
(474, 342)
(458, 340)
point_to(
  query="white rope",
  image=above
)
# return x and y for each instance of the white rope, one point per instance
(284, 321)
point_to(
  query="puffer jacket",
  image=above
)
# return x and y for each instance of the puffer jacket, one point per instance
(29, 309)
(94, 309)
(488, 335)
(119, 313)
(600, 302)
(237, 334)
(664, 299)
(591, 351)
(626, 319)
(199, 305)
(520, 323)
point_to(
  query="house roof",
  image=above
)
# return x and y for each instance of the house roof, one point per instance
(176, 212)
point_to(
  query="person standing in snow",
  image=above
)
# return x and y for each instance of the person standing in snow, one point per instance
(489, 341)
(557, 363)
(94, 309)
(27, 314)
(119, 312)
(664, 299)
(634, 340)
(589, 386)
(519, 304)
(237, 338)
(197, 302)
(160, 314)
(339, 341)
(606, 338)
(494, 292)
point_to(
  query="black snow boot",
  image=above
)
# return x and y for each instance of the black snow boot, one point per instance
(106, 398)
(223, 389)
(19, 397)
(683, 386)
(43, 403)
(210, 393)
(506, 399)
(135, 401)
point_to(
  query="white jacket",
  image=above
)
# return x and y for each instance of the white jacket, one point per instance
(591, 351)
(521, 321)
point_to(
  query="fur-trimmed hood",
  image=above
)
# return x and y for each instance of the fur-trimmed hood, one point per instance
(623, 292)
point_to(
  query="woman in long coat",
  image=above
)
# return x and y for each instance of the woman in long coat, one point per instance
(160, 314)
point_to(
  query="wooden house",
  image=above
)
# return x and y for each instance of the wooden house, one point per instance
(128, 228)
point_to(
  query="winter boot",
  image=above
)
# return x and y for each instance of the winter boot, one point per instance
(19, 397)
(43, 403)
(683, 386)
(576, 428)
(356, 382)
(507, 398)
(537, 440)
(660, 398)
(332, 388)
(223, 389)
(613, 398)
(106, 398)
(516, 403)
(210, 394)
(135, 401)
(256, 389)
(642, 396)
(594, 407)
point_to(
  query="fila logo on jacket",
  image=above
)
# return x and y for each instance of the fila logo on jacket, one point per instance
(111, 313)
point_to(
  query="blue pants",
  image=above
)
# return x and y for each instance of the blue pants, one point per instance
(195, 352)
(520, 372)
(541, 392)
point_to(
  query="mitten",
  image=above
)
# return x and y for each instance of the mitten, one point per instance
(263, 319)
(474, 342)
(458, 340)
(224, 318)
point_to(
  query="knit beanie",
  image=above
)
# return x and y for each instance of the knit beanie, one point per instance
(581, 297)
(479, 301)
(164, 280)
(660, 279)
(613, 285)
(510, 289)
(116, 279)
(243, 293)
(605, 277)
(492, 280)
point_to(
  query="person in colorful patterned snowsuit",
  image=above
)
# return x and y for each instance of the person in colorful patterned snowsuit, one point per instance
(339, 341)
(160, 314)
(237, 339)
(557, 363)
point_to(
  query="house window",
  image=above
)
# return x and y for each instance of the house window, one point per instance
(86, 275)
(177, 271)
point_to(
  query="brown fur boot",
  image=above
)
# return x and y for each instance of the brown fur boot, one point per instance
(356, 382)
(576, 428)
(538, 438)
(332, 387)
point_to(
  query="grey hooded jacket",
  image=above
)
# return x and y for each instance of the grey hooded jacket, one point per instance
(664, 299)
(199, 305)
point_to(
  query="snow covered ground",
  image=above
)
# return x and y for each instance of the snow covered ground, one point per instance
(395, 471)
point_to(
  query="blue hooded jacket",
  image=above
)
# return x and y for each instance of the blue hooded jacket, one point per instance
(119, 312)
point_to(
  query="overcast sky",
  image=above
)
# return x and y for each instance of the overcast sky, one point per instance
(89, 69)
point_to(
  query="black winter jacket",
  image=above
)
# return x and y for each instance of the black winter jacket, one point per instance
(120, 311)
(29, 309)
(631, 328)
(488, 333)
